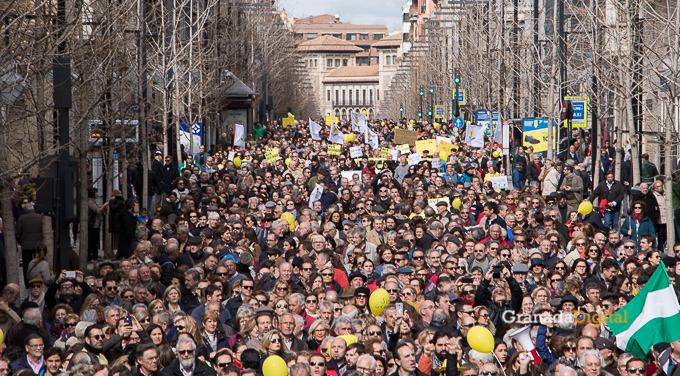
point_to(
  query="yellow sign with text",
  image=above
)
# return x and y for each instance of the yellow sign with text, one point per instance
(272, 155)
(429, 145)
(333, 149)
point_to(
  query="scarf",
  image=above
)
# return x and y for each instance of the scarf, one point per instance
(637, 217)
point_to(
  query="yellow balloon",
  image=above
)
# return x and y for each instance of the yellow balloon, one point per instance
(237, 162)
(496, 154)
(379, 299)
(382, 123)
(437, 126)
(585, 208)
(363, 112)
(288, 162)
(456, 203)
(349, 137)
(2, 337)
(274, 365)
(412, 121)
(290, 219)
(480, 339)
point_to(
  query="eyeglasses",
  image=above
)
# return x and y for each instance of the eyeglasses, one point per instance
(469, 291)
(320, 364)
(282, 306)
(307, 269)
(181, 327)
(222, 365)
(222, 274)
(281, 288)
(629, 246)
(67, 286)
(70, 325)
(98, 336)
(327, 274)
(275, 340)
(40, 345)
(392, 290)
(636, 208)
(520, 241)
(636, 370)
(470, 325)
(505, 255)
(390, 364)
(262, 302)
(247, 287)
(337, 309)
(559, 268)
(492, 373)
(311, 301)
(556, 280)
(185, 352)
(569, 348)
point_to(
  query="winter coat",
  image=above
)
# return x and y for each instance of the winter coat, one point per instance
(645, 227)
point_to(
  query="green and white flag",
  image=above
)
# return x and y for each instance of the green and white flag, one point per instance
(652, 317)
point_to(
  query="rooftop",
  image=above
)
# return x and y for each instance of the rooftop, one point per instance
(329, 44)
(354, 74)
(393, 40)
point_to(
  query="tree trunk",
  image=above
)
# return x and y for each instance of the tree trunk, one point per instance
(83, 136)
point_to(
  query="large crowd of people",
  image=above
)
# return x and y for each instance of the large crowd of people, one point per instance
(275, 249)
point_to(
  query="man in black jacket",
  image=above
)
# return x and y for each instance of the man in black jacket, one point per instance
(613, 192)
(497, 301)
(186, 363)
(128, 226)
(189, 298)
(67, 291)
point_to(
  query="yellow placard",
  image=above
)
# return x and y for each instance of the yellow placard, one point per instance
(384, 152)
(272, 154)
(288, 121)
(444, 150)
(330, 120)
(429, 145)
(333, 149)
(404, 149)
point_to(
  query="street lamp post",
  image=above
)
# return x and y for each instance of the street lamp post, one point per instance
(420, 108)
(431, 100)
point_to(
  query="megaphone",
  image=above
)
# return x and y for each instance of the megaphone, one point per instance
(523, 336)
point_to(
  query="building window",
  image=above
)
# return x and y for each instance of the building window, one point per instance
(351, 37)
(329, 63)
(357, 98)
(344, 62)
(363, 36)
(298, 36)
(343, 97)
(387, 60)
(364, 95)
(394, 59)
(362, 60)
(314, 63)
(328, 94)
(337, 62)
(378, 36)
(337, 97)
(339, 36)
(370, 95)
(311, 36)
(377, 94)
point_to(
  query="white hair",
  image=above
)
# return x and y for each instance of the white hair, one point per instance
(566, 371)
(596, 353)
(482, 358)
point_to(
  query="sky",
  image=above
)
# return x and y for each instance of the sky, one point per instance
(358, 12)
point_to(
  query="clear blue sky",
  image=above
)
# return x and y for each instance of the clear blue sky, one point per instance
(358, 12)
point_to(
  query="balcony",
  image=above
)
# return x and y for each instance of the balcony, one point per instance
(367, 103)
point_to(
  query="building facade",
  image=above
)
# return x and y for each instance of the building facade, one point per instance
(350, 66)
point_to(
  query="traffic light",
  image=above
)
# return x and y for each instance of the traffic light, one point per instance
(456, 77)
(429, 112)
(401, 108)
(421, 91)
(431, 90)
(420, 112)
(455, 112)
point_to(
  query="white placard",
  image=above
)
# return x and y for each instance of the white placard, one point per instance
(414, 158)
(499, 182)
(436, 162)
(355, 152)
(395, 155)
(446, 139)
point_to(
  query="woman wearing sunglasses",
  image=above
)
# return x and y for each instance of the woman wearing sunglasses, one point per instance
(637, 223)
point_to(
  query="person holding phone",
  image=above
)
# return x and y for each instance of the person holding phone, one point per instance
(497, 301)
(67, 291)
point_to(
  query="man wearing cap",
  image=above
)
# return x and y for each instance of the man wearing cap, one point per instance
(195, 254)
(607, 349)
(443, 214)
(572, 186)
(404, 274)
(36, 293)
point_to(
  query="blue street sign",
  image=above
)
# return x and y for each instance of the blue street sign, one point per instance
(458, 122)
(580, 105)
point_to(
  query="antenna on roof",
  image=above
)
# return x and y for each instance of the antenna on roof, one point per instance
(337, 17)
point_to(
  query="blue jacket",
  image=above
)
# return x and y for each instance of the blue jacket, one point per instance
(646, 227)
(517, 179)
